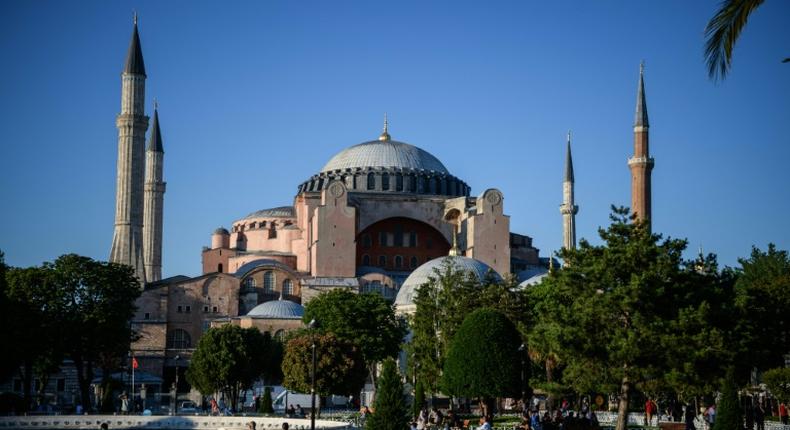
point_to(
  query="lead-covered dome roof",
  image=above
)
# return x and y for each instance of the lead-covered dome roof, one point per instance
(278, 309)
(384, 153)
(422, 274)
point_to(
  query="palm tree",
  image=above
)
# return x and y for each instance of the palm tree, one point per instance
(722, 32)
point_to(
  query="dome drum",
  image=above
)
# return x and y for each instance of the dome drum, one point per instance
(390, 180)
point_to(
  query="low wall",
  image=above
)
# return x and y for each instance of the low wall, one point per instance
(161, 422)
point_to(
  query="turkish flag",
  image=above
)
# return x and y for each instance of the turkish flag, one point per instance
(135, 365)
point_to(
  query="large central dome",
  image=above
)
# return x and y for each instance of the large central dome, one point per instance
(384, 153)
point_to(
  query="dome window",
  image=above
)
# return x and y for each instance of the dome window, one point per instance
(385, 181)
(268, 281)
(371, 181)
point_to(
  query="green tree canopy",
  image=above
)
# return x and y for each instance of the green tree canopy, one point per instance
(441, 305)
(229, 359)
(612, 314)
(367, 320)
(340, 368)
(729, 415)
(778, 382)
(483, 359)
(389, 407)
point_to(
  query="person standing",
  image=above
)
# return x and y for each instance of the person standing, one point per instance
(759, 416)
(650, 410)
(124, 403)
(690, 416)
(783, 413)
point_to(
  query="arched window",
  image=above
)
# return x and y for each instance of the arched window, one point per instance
(179, 339)
(398, 182)
(280, 335)
(398, 261)
(426, 186)
(273, 230)
(367, 242)
(219, 267)
(412, 183)
(268, 282)
(385, 181)
(412, 239)
(366, 260)
(288, 287)
(413, 262)
(371, 181)
(382, 260)
(249, 282)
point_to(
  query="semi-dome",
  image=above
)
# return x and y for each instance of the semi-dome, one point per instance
(278, 212)
(278, 309)
(384, 153)
(420, 275)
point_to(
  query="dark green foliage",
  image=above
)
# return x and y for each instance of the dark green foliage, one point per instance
(367, 320)
(483, 359)
(618, 313)
(723, 31)
(419, 400)
(340, 368)
(230, 359)
(778, 383)
(763, 299)
(390, 410)
(729, 415)
(441, 305)
(265, 406)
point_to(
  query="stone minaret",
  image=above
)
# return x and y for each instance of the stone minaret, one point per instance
(154, 201)
(568, 209)
(127, 241)
(641, 164)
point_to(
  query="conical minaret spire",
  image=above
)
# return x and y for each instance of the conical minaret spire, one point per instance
(641, 164)
(154, 202)
(568, 208)
(127, 242)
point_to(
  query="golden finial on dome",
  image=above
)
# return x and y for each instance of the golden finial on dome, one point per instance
(454, 251)
(384, 135)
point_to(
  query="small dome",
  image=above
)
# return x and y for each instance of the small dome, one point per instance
(222, 230)
(420, 275)
(537, 279)
(384, 153)
(278, 309)
(278, 212)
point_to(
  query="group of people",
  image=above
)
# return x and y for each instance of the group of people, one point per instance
(295, 412)
(559, 420)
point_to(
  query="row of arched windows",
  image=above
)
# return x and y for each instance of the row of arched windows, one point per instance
(418, 183)
(398, 262)
(397, 238)
(269, 281)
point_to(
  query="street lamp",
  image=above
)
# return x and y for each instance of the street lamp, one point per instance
(312, 325)
(521, 350)
(175, 387)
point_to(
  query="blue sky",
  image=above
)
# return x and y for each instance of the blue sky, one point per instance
(256, 96)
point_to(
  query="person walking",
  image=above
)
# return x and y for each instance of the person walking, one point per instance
(759, 416)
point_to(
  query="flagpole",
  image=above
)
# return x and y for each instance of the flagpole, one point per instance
(133, 366)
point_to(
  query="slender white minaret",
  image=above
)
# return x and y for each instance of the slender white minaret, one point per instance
(154, 202)
(568, 208)
(127, 241)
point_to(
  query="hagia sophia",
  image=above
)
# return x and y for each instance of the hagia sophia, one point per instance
(378, 217)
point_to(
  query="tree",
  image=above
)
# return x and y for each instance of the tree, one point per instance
(729, 415)
(340, 368)
(611, 316)
(778, 383)
(762, 295)
(441, 305)
(390, 411)
(266, 402)
(482, 360)
(367, 320)
(229, 359)
(94, 302)
(419, 399)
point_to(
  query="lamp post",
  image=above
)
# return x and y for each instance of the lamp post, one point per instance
(175, 387)
(521, 350)
(313, 325)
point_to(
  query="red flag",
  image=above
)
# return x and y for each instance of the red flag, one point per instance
(135, 365)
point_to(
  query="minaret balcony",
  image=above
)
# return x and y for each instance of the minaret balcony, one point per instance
(568, 209)
(641, 161)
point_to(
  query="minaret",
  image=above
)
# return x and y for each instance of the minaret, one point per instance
(568, 209)
(154, 201)
(641, 164)
(127, 241)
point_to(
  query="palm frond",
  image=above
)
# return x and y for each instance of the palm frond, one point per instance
(722, 32)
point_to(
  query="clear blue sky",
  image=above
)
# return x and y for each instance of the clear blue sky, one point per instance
(257, 96)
